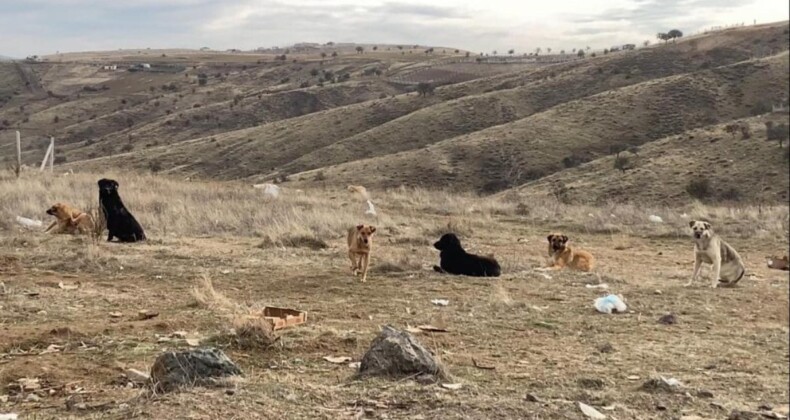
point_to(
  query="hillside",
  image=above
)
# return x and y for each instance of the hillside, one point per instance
(751, 170)
(356, 118)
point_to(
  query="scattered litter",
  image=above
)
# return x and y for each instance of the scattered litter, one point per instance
(29, 223)
(115, 314)
(52, 348)
(269, 190)
(371, 210)
(603, 286)
(28, 384)
(136, 377)
(609, 304)
(684, 216)
(225, 271)
(546, 276)
(281, 317)
(633, 378)
(337, 359)
(482, 366)
(431, 328)
(193, 342)
(452, 387)
(32, 398)
(778, 263)
(158, 277)
(9, 416)
(590, 412)
(67, 286)
(440, 302)
(655, 219)
(354, 365)
(413, 330)
(671, 382)
(658, 292)
(590, 215)
(146, 314)
(661, 384)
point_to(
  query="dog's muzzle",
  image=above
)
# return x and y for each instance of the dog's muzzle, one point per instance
(49, 212)
(697, 235)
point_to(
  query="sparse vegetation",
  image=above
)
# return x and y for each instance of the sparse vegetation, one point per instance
(699, 188)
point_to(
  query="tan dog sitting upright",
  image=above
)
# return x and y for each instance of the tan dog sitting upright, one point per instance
(710, 248)
(563, 255)
(360, 242)
(69, 220)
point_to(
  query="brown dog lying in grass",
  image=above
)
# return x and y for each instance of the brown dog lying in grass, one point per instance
(563, 255)
(69, 220)
(360, 243)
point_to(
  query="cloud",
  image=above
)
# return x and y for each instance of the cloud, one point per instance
(45, 26)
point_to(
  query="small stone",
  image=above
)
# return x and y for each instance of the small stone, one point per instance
(765, 407)
(115, 314)
(658, 292)
(532, 398)
(704, 393)
(32, 398)
(668, 319)
(661, 407)
(606, 348)
(230, 391)
(42, 312)
(590, 412)
(146, 314)
(136, 376)
(172, 370)
(179, 334)
(193, 342)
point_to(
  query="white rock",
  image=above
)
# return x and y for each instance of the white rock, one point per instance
(655, 219)
(590, 412)
(440, 302)
(136, 376)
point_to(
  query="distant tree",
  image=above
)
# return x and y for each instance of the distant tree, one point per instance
(457, 51)
(493, 52)
(424, 88)
(314, 72)
(56, 119)
(548, 50)
(663, 36)
(593, 54)
(360, 50)
(375, 48)
(646, 42)
(400, 47)
(202, 79)
(129, 122)
(580, 53)
(622, 163)
(323, 55)
(780, 132)
(478, 59)
(574, 50)
(537, 51)
(304, 84)
(467, 54)
(511, 51)
(562, 52)
(674, 34)
(334, 53)
(617, 148)
(588, 48)
(605, 51)
(699, 188)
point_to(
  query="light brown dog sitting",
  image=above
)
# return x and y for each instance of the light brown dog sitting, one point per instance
(69, 220)
(360, 243)
(563, 255)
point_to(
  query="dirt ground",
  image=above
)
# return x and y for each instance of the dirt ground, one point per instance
(539, 331)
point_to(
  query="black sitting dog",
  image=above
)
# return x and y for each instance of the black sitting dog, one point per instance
(454, 260)
(120, 222)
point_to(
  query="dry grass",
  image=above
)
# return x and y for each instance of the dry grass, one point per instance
(540, 333)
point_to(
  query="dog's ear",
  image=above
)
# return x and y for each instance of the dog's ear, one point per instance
(550, 237)
(564, 238)
(706, 224)
(359, 227)
(691, 223)
(372, 229)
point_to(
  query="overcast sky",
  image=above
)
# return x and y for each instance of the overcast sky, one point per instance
(45, 26)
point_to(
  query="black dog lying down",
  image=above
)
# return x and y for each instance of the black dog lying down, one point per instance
(454, 260)
(120, 222)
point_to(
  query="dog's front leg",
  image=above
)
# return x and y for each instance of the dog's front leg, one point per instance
(714, 281)
(697, 268)
(365, 261)
(353, 257)
(51, 226)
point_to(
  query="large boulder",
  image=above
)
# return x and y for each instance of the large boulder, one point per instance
(397, 354)
(198, 367)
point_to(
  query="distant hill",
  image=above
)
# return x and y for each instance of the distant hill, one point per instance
(333, 115)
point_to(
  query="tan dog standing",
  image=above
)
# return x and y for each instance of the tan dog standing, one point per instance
(710, 248)
(563, 255)
(360, 242)
(69, 220)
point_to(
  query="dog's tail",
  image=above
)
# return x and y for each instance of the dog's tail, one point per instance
(740, 276)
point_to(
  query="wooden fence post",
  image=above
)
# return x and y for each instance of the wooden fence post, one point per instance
(46, 158)
(18, 155)
(51, 154)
